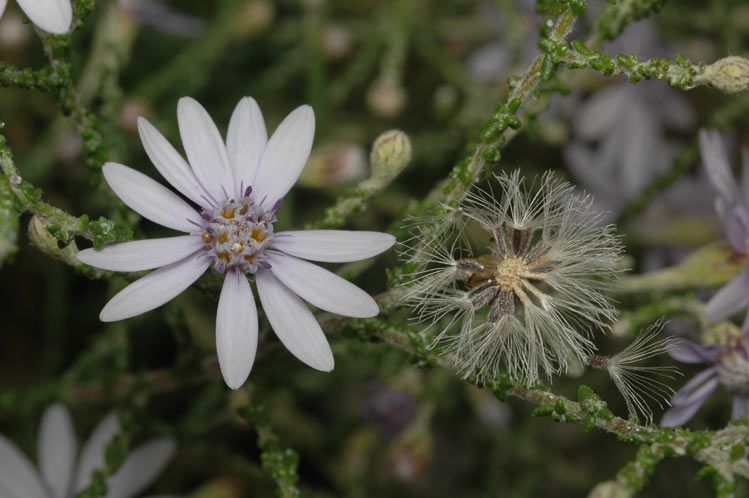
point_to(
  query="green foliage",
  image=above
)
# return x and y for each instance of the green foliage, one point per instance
(458, 131)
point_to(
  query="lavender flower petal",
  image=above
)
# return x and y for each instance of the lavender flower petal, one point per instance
(735, 220)
(730, 299)
(700, 386)
(688, 352)
(740, 408)
(715, 159)
(680, 415)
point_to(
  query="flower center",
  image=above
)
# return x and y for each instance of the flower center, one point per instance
(515, 271)
(237, 233)
(733, 372)
(509, 273)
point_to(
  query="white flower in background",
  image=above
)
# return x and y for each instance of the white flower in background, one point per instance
(54, 16)
(62, 475)
(238, 188)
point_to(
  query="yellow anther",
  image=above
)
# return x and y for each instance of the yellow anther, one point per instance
(258, 234)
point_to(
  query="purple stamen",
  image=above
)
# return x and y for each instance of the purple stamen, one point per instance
(210, 200)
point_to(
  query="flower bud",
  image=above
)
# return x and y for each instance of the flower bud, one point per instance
(391, 152)
(333, 165)
(445, 99)
(730, 74)
(48, 244)
(610, 489)
(386, 99)
(253, 18)
(132, 109)
(69, 146)
(337, 43)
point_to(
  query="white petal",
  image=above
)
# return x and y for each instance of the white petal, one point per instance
(170, 164)
(294, 323)
(94, 451)
(333, 246)
(57, 449)
(236, 329)
(151, 199)
(155, 289)
(18, 478)
(285, 156)
(53, 16)
(205, 149)
(140, 469)
(322, 288)
(245, 142)
(139, 255)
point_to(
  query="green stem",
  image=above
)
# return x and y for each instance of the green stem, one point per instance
(280, 462)
(60, 225)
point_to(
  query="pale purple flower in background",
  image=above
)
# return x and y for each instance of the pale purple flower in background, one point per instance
(63, 474)
(728, 362)
(620, 142)
(732, 206)
(238, 187)
(627, 123)
(391, 409)
(162, 17)
(53, 16)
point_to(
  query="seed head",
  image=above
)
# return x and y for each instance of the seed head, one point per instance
(530, 269)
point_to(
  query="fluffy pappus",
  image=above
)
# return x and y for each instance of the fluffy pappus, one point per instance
(641, 385)
(523, 283)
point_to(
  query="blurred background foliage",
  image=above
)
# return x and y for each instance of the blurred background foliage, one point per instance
(378, 425)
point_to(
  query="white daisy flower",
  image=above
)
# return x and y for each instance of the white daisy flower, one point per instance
(62, 475)
(53, 16)
(238, 188)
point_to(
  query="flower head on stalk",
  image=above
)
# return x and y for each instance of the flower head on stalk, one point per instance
(63, 474)
(732, 206)
(527, 292)
(238, 187)
(53, 16)
(726, 352)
